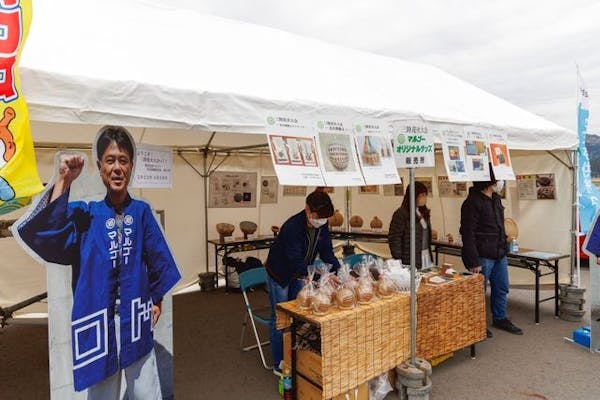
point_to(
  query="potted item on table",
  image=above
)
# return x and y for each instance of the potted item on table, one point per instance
(337, 219)
(450, 238)
(376, 223)
(248, 228)
(434, 234)
(356, 221)
(224, 229)
(275, 230)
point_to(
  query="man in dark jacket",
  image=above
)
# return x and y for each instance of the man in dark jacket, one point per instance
(300, 239)
(484, 245)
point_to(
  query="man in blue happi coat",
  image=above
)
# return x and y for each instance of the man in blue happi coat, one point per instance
(122, 268)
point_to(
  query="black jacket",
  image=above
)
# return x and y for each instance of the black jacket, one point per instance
(287, 256)
(399, 236)
(482, 228)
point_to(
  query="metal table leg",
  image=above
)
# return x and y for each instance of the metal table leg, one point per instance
(556, 288)
(537, 293)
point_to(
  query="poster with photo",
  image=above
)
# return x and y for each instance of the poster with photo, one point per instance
(476, 159)
(500, 156)
(232, 189)
(428, 182)
(337, 153)
(269, 187)
(375, 152)
(447, 188)
(413, 144)
(292, 190)
(453, 150)
(293, 149)
(536, 187)
(396, 189)
(369, 189)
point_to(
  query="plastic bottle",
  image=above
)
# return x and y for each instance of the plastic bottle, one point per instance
(288, 394)
(514, 246)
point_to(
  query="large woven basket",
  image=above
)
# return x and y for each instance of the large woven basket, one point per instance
(357, 344)
(511, 228)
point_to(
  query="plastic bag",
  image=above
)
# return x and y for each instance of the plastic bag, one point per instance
(386, 287)
(305, 295)
(345, 294)
(379, 387)
(365, 292)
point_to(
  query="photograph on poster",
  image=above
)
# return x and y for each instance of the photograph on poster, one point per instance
(337, 152)
(536, 187)
(499, 154)
(369, 189)
(428, 182)
(447, 188)
(396, 189)
(374, 149)
(454, 152)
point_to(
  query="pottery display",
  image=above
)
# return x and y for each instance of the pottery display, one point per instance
(224, 230)
(376, 223)
(337, 219)
(338, 155)
(275, 230)
(248, 228)
(356, 221)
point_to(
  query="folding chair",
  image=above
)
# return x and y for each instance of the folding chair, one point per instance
(249, 279)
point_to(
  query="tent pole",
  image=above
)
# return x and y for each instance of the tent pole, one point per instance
(205, 181)
(413, 266)
(575, 266)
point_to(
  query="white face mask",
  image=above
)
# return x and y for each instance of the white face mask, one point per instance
(421, 202)
(317, 223)
(498, 187)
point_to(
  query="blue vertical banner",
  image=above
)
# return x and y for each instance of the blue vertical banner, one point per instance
(589, 195)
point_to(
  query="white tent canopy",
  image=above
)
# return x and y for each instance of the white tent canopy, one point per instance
(132, 63)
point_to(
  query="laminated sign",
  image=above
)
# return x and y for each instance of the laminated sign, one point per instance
(293, 150)
(19, 179)
(413, 144)
(376, 154)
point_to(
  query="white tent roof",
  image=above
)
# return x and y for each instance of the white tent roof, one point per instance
(132, 63)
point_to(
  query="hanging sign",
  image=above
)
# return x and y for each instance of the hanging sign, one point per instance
(500, 156)
(293, 150)
(376, 155)
(477, 160)
(153, 167)
(453, 149)
(338, 153)
(413, 144)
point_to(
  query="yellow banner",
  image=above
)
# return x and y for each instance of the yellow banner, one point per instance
(19, 178)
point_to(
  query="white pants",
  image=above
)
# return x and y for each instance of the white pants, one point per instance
(141, 378)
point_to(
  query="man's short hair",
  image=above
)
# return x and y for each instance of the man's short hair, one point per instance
(117, 134)
(320, 202)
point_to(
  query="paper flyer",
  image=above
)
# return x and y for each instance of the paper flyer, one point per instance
(454, 151)
(500, 156)
(153, 167)
(293, 150)
(447, 188)
(376, 155)
(337, 153)
(477, 159)
(536, 187)
(413, 144)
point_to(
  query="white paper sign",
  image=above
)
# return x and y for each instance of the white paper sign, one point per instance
(500, 156)
(293, 150)
(477, 159)
(338, 153)
(453, 149)
(413, 144)
(153, 167)
(376, 154)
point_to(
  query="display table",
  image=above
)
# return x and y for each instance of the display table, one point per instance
(359, 235)
(532, 260)
(369, 340)
(225, 248)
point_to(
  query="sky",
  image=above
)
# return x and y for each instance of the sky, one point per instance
(523, 51)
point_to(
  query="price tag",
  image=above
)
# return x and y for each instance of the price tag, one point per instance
(229, 239)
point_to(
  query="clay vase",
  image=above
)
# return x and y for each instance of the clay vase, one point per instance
(356, 221)
(224, 229)
(275, 230)
(337, 219)
(248, 228)
(434, 234)
(376, 223)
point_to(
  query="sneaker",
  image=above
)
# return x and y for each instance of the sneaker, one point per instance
(507, 326)
(489, 334)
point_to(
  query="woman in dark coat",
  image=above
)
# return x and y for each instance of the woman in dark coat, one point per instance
(399, 232)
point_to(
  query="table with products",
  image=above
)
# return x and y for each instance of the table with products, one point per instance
(532, 260)
(223, 248)
(369, 340)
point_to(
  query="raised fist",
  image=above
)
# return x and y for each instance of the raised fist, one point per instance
(70, 167)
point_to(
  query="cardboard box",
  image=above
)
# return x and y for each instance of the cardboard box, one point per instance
(307, 391)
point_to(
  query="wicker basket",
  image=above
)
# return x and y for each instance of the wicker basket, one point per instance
(357, 344)
(450, 316)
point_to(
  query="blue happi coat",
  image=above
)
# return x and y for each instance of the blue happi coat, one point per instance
(89, 237)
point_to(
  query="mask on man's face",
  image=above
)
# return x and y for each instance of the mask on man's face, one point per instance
(498, 186)
(318, 222)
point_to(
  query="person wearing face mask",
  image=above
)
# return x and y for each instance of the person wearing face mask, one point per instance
(399, 232)
(485, 247)
(301, 238)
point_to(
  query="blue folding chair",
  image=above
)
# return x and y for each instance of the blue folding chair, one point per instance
(248, 280)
